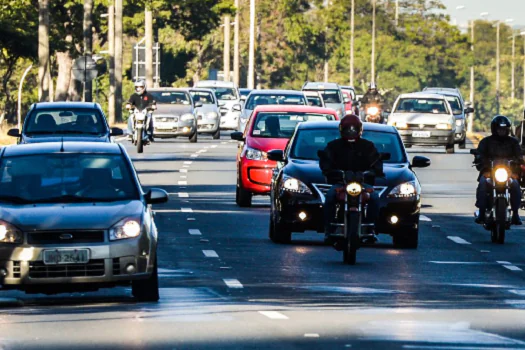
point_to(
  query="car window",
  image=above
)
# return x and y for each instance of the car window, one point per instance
(309, 141)
(282, 125)
(67, 177)
(314, 101)
(422, 105)
(171, 97)
(330, 96)
(455, 104)
(351, 92)
(206, 98)
(64, 121)
(259, 100)
(224, 94)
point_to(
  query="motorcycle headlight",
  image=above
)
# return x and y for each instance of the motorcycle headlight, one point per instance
(211, 115)
(372, 110)
(291, 184)
(140, 116)
(405, 190)
(444, 126)
(501, 175)
(10, 233)
(354, 189)
(187, 116)
(255, 154)
(126, 228)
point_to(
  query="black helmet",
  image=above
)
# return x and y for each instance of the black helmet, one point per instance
(500, 122)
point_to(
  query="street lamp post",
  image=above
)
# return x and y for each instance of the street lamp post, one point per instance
(498, 83)
(523, 34)
(226, 53)
(373, 72)
(251, 53)
(472, 86)
(352, 28)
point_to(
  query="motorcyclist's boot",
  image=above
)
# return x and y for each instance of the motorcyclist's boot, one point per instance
(516, 220)
(480, 219)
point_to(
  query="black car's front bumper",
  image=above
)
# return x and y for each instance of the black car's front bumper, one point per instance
(290, 207)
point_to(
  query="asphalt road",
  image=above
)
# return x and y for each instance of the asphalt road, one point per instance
(225, 285)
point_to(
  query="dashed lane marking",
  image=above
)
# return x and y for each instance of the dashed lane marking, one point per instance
(233, 283)
(202, 151)
(458, 240)
(188, 162)
(213, 146)
(274, 315)
(311, 335)
(210, 253)
(183, 170)
(504, 262)
(183, 182)
(512, 268)
(194, 232)
(190, 219)
(424, 218)
(183, 176)
(194, 156)
(186, 210)
(183, 195)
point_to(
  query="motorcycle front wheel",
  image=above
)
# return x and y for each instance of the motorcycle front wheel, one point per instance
(140, 143)
(352, 233)
(500, 226)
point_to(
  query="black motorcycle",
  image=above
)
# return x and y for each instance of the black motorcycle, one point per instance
(498, 215)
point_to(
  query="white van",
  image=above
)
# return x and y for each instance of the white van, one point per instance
(229, 101)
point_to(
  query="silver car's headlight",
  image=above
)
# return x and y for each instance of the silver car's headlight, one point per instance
(126, 228)
(10, 234)
(291, 184)
(255, 154)
(187, 116)
(211, 115)
(405, 190)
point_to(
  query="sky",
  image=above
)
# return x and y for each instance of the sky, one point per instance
(497, 9)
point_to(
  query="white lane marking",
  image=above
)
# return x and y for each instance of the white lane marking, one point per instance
(202, 151)
(183, 182)
(210, 253)
(183, 176)
(183, 170)
(188, 162)
(447, 347)
(458, 240)
(194, 232)
(232, 283)
(504, 262)
(311, 335)
(424, 218)
(213, 146)
(185, 166)
(194, 156)
(512, 268)
(183, 195)
(224, 143)
(520, 292)
(460, 262)
(190, 219)
(186, 210)
(274, 315)
(484, 251)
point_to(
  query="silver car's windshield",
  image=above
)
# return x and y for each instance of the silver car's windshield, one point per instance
(307, 142)
(171, 97)
(455, 104)
(266, 99)
(206, 98)
(65, 121)
(315, 101)
(225, 94)
(330, 96)
(422, 105)
(66, 178)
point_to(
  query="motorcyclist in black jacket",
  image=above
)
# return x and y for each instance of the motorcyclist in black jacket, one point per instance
(350, 153)
(500, 145)
(372, 98)
(141, 99)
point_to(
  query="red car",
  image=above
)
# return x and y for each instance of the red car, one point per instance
(348, 106)
(269, 128)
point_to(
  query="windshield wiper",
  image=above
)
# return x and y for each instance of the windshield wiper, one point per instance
(14, 199)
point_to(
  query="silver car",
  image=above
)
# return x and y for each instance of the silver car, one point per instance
(208, 115)
(424, 119)
(75, 218)
(332, 95)
(229, 101)
(314, 98)
(176, 113)
(269, 97)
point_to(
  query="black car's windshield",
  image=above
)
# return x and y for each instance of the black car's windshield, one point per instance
(171, 97)
(66, 178)
(455, 104)
(330, 96)
(422, 105)
(206, 98)
(265, 99)
(281, 124)
(65, 121)
(308, 141)
(224, 94)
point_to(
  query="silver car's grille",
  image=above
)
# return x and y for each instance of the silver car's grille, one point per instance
(322, 190)
(37, 269)
(421, 126)
(166, 119)
(65, 237)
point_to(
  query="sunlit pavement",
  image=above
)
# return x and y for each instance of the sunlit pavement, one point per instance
(225, 285)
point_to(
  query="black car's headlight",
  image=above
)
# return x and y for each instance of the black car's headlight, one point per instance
(291, 184)
(405, 190)
(125, 228)
(10, 234)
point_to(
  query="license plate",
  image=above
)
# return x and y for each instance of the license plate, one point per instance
(66, 256)
(421, 134)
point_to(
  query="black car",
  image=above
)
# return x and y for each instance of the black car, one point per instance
(68, 121)
(299, 187)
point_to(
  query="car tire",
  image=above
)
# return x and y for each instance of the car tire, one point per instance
(147, 289)
(409, 240)
(193, 138)
(277, 234)
(243, 198)
(449, 148)
(217, 134)
(463, 144)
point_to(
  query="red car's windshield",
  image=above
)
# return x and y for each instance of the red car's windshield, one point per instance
(282, 124)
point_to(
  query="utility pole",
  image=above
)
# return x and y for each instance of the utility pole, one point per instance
(523, 33)
(352, 32)
(88, 45)
(226, 53)
(373, 72)
(111, 44)
(397, 13)
(118, 60)
(149, 45)
(236, 54)
(497, 68)
(326, 4)
(513, 73)
(471, 116)
(43, 50)
(251, 55)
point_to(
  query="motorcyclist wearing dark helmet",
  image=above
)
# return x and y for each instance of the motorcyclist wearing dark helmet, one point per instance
(350, 153)
(499, 145)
